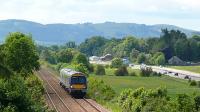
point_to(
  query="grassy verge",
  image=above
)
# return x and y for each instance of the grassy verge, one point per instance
(174, 86)
(187, 68)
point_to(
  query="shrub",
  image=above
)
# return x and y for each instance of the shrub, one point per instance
(100, 70)
(193, 83)
(122, 71)
(132, 74)
(82, 68)
(116, 63)
(198, 84)
(100, 90)
(146, 72)
(197, 103)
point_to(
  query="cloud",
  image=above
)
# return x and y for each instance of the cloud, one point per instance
(178, 12)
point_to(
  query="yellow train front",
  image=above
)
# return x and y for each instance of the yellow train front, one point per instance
(73, 81)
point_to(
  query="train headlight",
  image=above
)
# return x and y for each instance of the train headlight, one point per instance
(71, 86)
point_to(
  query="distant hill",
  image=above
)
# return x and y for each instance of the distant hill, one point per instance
(61, 33)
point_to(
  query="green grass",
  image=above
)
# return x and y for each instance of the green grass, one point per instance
(187, 68)
(174, 86)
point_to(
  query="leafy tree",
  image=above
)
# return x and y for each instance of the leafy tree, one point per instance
(116, 63)
(70, 44)
(21, 55)
(81, 58)
(15, 96)
(82, 68)
(141, 58)
(100, 70)
(160, 60)
(181, 49)
(48, 56)
(65, 55)
(93, 45)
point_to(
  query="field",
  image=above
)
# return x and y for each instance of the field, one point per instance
(173, 85)
(188, 68)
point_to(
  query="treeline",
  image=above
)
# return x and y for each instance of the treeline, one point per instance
(150, 51)
(20, 90)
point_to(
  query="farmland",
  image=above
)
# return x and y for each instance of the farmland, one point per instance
(195, 69)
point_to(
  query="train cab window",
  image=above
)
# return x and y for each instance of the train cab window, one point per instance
(78, 80)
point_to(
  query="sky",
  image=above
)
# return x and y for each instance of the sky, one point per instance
(183, 13)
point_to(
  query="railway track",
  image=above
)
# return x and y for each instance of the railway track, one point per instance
(62, 107)
(71, 104)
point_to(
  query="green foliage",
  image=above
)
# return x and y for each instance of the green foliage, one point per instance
(158, 59)
(20, 51)
(48, 56)
(193, 83)
(146, 72)
(121, 71)
(143, 100)
(197, 102)
(82, 68)
(141, 58)
(99, 90)
(65, 55)
(81, 58)
(198, 84)
(185, 103)
(16, 96)
(100, 70)
(116, 63)
(92, 46)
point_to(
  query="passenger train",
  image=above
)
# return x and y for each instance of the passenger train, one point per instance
(73, 81)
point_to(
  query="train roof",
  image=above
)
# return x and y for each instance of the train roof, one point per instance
(70, 71)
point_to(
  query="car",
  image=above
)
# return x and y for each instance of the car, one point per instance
(186, 77)
(176, 74)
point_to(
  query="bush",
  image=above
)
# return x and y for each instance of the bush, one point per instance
(198, 84)
(116, 63)
(99, 90)
(100, 70)
(197, 103)
(193, 83)
(122, 71)
(82, 68)
(132, 74)
(146, 72)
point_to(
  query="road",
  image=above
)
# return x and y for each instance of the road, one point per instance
(173, 72)
(59, 100)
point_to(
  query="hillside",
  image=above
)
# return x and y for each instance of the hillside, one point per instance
(60, 33)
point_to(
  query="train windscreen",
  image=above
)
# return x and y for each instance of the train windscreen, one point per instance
(78, 80)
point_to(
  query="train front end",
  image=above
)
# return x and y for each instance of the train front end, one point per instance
(78, 85)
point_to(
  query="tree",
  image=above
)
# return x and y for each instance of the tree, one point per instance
(116, 63)
(70, 44)
(181, 49)
(141, 58)
(81, 58)
(49, 56)
(82, 68)
(100, 70)
(93, 45)
(21, 54)
(65, 55)
(160, 60)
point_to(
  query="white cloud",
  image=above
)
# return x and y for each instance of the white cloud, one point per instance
(179, 12)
